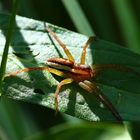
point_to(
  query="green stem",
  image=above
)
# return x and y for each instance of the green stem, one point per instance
(128, 23)
(8, 39)
(77, 15)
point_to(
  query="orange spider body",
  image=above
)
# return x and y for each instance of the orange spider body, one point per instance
(77, 72)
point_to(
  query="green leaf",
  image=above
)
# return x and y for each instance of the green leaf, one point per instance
(78, 17)
(83, 131)
(128, 23)
(31, 47)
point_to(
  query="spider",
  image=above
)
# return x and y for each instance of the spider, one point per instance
(76, 72)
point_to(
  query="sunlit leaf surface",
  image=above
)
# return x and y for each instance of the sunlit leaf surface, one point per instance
(31, 47)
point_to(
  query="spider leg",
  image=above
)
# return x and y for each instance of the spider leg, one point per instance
(121, 68)
(83, 56)
(51, 70)
(63, 82)
(92, 88)
(67, 52)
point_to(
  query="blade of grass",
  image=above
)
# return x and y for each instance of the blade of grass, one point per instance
(7, 43)
(78, 17)
(15, 126)
(84, 131)
(101, 17)
(128, 23)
